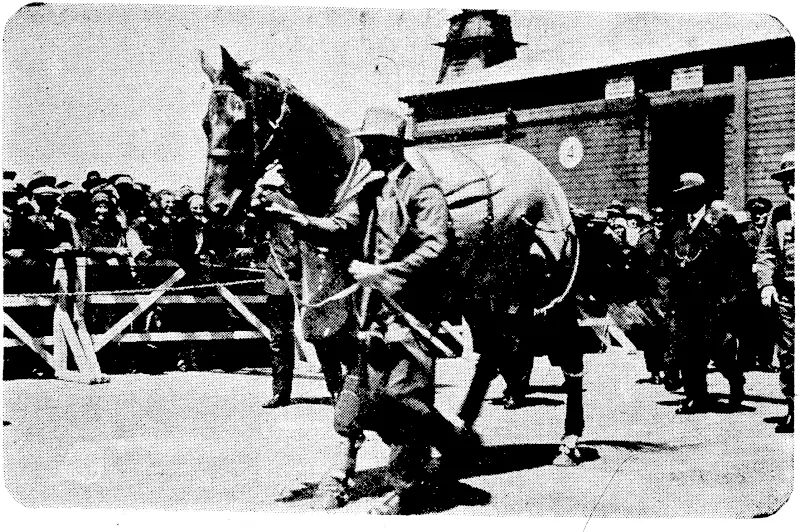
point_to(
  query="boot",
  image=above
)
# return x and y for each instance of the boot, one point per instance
(786, 425)
(336, 490)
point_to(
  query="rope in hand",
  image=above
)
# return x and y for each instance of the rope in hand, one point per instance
(298, 299)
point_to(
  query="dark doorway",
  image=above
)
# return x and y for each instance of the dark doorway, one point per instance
(686, 138)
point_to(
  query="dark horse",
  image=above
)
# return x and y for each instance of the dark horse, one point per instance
(515, 252)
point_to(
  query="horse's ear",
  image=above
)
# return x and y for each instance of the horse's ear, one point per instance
(229, 64)
(210, 71)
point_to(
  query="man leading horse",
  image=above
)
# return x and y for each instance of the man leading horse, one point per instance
(404, 222)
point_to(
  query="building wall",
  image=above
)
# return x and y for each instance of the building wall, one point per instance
(614, 165)
(770, 133)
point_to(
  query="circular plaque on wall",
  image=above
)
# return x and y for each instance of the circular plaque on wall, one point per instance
(570, 152)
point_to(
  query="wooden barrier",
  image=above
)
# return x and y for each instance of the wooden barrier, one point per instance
(71, 335)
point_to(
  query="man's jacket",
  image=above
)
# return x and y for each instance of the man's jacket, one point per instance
(775, 257)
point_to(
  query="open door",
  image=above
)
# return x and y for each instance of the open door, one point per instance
(686, 138)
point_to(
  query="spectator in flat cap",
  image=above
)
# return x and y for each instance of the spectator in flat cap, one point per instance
(48, 233)
(775, 271)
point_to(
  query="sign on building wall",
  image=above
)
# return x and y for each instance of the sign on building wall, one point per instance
(687, 78)
(620, 88)
(570, 152)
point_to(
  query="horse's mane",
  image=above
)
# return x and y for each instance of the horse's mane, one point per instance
(315, 151)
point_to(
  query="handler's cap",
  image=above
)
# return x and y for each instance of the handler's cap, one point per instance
(758, 205)
(690, 181)
(381, 122)
(43, 183)
(786, 168)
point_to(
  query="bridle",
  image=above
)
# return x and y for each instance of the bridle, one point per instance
(260, 153)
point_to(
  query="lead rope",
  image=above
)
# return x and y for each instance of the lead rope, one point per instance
(299, 300)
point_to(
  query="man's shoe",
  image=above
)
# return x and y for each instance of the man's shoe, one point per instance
(393, 503)
(785, 425)
(333, 493)
(693, 407)
(276, 402)
(511, 403)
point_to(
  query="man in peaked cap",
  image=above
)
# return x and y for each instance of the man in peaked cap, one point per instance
(758, 208)
(704, 281)
(48, 233)
(391, 389)
(758, 338)
(775, 271)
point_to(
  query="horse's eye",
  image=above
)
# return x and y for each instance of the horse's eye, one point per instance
(235, 108)
(206, 126)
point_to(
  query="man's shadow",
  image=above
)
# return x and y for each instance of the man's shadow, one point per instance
(494, 460)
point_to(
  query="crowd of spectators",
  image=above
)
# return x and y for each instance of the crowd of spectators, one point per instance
(624, 276)
(136, 237)
(133, 238)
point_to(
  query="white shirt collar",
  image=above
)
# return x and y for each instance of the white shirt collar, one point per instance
(694, 219)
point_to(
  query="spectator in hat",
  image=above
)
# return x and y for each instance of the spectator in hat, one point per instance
(634, 217)
(48, 234)
(75, 201)
(109, 267)
(703, 282)
(758, 208)
(93, 180)
(775, 271)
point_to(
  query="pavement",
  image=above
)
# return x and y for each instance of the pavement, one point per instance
(201, 441)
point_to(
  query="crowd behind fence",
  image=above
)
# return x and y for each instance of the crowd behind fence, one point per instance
(133, 239)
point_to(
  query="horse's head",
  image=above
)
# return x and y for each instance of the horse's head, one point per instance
(245, 114)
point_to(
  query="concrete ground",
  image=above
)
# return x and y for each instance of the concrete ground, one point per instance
(200, 440)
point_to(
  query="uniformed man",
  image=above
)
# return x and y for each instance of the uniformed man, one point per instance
(404, 216)
(758, 208)
(757, 332)
(704, 280)
(775, 270)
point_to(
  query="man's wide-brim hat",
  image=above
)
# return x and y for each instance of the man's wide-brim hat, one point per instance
(690, 181)
(381, 122)
(786, 168)
(43, 183)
